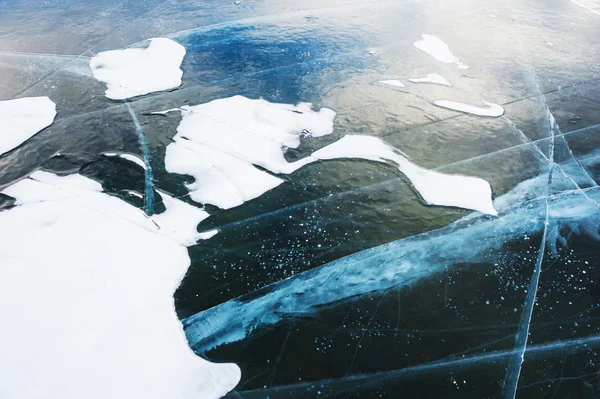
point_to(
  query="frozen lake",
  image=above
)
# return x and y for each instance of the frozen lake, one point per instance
(361, 199)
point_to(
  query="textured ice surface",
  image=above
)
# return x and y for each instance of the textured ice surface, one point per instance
(492, 110)
(20, 119)
(95, 281)
(439, 50)
(134, 72)
(435, 188)
(433, 78)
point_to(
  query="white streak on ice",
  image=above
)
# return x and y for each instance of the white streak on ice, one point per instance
(394, 82)
(219, 142)
(22, 118)
(492, 110)
(166, 111)
(86, 296)
(132, 158)
(435, 188)
(134, 72)
(433, 78)
(439, 50)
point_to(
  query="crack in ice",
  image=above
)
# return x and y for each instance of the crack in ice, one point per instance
(148, 175)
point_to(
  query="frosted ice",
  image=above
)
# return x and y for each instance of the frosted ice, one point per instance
(435, 188)
(439, 50)
(219, 142)
(134, 72)
(492, 110)
(22, 118)
(433, 78)
(89, 275)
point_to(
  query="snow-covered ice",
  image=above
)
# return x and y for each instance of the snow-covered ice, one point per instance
(435, 188)
(94, 280)
(218, 143)
(134, 72)
(439, 50)
(22, 118)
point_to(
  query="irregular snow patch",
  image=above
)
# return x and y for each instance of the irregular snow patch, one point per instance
(493, 110)
(129, 157)
(396, 83)
(22, 118)
(433, 78)
(134, 72)
(89, 273)
(435, 188)
(439, 50)
(218, 143)
(180, 221)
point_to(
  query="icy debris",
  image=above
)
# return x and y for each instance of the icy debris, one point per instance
(492, 110)
(433, 78)
(439, 50)
(92, 275)
(134, 72)
(22, 118)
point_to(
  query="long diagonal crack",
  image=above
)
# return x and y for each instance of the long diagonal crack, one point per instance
(513, 371)
(148, 176)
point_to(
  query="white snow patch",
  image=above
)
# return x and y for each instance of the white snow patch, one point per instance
(435, 188)
(493, 110)
(219, 142)
(22, 118)
(134, 72)
(433, 78)
(88, 274)
(180, 221)
(439, 50)
(132, 158)
(394, 82)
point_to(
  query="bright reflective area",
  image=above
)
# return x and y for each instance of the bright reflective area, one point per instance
(442, 301)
